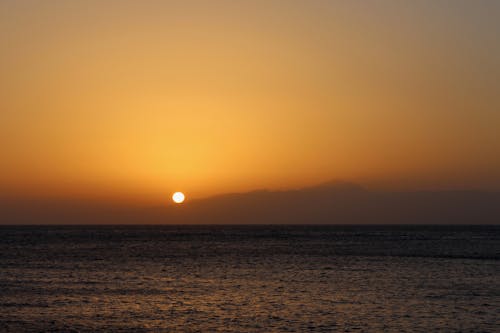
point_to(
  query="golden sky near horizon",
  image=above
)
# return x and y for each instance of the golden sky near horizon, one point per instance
(137, 99)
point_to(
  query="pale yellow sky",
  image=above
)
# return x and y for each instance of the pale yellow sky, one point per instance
(136, 99)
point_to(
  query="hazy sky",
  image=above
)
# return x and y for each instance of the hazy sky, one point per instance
(135, 99)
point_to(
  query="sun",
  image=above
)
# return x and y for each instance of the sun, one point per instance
(178, 197)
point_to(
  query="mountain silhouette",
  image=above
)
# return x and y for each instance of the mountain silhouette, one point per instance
(345, 203)
(328, 203)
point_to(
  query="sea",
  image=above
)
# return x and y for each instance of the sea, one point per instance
(250, 278)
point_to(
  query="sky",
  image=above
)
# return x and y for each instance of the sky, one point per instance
(133, 100)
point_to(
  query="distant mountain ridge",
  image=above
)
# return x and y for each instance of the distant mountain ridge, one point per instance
(344, 203)
(333, 202)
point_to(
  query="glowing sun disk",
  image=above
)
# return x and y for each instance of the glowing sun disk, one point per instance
(178, 197)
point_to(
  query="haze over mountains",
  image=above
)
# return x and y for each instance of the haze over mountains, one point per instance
(328, 203)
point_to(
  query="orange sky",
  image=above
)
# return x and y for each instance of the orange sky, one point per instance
(135, 99)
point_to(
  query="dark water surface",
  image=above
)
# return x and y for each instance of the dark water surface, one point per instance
(250, 278)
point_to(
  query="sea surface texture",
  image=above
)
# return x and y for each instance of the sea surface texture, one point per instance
(250, 278)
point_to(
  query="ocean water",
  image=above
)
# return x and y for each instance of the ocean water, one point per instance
(250, 278)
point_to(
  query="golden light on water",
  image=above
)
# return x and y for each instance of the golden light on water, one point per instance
(178, 197)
